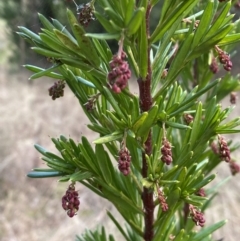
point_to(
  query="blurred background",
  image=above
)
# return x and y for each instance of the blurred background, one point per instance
(31, 209)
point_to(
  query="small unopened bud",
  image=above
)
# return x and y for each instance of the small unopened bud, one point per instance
(188, 118)
(214, 65)
(120, 73)
(70, 201)
(85, 14)
(214, 148)
(234, 167)
(57, 90)
(228, 65)
(201, 193)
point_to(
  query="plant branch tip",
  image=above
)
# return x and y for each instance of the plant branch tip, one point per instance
(154, 150)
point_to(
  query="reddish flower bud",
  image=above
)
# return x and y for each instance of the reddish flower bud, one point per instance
(214, 148)
(162, 200)
(57, 90)
(197, 216)
(214, 65)
(124, 160)
(119, 74)
(188, 118)
(201, 193)
(70, 201)
(166, 151)
(71, 213)
(228, 65)
(224, 150)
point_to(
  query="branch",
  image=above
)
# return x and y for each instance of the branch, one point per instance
(145, 105)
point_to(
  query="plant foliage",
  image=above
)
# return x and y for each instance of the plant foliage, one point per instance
(163, 140)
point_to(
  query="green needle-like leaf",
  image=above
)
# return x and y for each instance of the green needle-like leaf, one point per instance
(204, 23)
(36, 174)
(207, 231)
(108, 138)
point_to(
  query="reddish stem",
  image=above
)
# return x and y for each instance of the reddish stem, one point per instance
(145, 105)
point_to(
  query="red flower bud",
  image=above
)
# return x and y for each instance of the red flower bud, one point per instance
(119, 74)
(197, 216)
(234, 167)
(124, 160)
(224, 150)
(166, 151)
(70, 201)
(57, 90)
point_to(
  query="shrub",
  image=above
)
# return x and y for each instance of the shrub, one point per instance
(157, 149)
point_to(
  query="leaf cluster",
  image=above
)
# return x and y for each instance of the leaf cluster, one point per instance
(177, 46)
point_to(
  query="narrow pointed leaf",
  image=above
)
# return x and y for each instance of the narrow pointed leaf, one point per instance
(112, 137)
(44, 72)
(37, 70)
(106, 36)
(37, 174)
(207, 231)
(204, 23)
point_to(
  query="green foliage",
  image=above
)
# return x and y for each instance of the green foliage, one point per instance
(172, 121)
(98, 235)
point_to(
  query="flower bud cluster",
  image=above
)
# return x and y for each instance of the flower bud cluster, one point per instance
(162, 200)
(70, 201)
(197, 216)
(120, 72)
(234, 167)
(214, 148)
(224, 59)
(166, 151)
(214, 65)
(124, 161)
(224, 150)
(201, 193)
(85, 14)
(57, 90)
